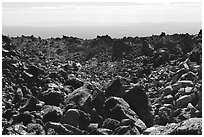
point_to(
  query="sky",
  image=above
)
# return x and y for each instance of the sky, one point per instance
(106, 14)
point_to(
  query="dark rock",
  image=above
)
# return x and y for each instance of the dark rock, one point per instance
(8, 114)
(51, 113)
(24, 117)
(147, 49)
(30, 105)
(84, 120)
(76, 118)
(98, 101)
(115, 88)
(81, 97)
(18, 96)
(51, 97)
(117, 108)
(71, 117)
(74, 82)
(138, 101)
(138, 124)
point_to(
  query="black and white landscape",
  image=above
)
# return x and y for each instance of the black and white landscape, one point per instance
(118, 68)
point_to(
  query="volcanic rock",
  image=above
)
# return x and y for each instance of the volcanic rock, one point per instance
(51, 113)
(138, 101)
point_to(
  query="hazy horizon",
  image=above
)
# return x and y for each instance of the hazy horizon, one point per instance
(89, 32)
(89, 19)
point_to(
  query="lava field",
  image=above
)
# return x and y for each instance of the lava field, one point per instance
(102, 86)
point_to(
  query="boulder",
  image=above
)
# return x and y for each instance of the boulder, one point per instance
(115, 88)
(98, 101)
(139, 103)
(80, 97)
(25, 117)
(117, 108)
(51, 113)
(71, 117)
(74, 82)
(192, 126)
(138, 124)
(51, 97)
(161, 130)
(30, 105)
(184, 100)
(58, 128)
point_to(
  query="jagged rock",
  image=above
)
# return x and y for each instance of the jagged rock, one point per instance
(138, 101)
(110, 123)
(51, 113)
(98, 101)
(101, 131)
(115, 88)
(118, 109)
(8, 114)
(51, 97)
(75, 130)
(84, 120)
(24, 117)
(161, 130)
(184, 100)
(74, 82)
(58, 128)
(30, 105)
(192, 126)
(147, 49)
(71, 117)
(81, 97)
(138, 124)
(126, 130)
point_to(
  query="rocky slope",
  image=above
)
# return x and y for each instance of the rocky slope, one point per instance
(102, 86)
